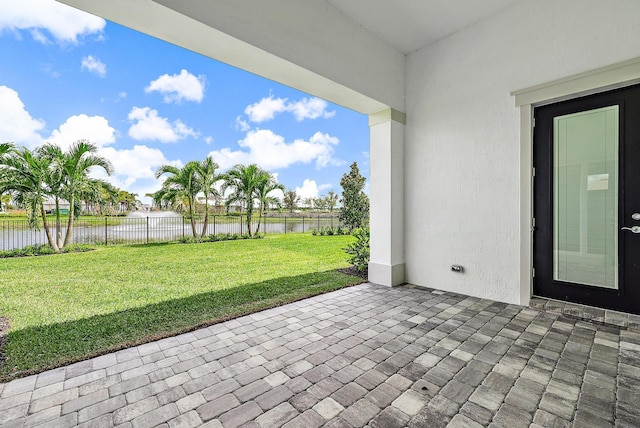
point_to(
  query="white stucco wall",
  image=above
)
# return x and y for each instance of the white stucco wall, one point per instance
(462, 137)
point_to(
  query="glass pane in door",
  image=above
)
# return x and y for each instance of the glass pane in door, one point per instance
(585, 202)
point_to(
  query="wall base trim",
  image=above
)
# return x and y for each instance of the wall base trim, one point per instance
(389, 275)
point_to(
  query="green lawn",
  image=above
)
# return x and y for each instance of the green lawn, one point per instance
(68, 307)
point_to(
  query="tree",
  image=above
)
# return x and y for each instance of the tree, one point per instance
(54, 181)
(5, 200)
(106, 200)
(127, 200)
(49, 172)
(243, 182)
(320, 203)
(309, 203)
(291, 200)
(76, 163)
(263, 191)
(23, 175)
(355, 203)
(332, 200)
(181, 186)
(207, 177)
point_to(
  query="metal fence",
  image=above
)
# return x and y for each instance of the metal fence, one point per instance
(153, 227)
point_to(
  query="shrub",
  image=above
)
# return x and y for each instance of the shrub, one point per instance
(43, 250)
(359, 251)
(314, 232)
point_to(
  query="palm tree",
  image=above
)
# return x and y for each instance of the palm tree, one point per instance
(181, 186)
(291, 200)
(207, 177)
(5, 149)
(23, 175)
(76, 165)
(126, 200)
(319, 203)
(107, 200)
(332, 200)
(4, 199)
(267, 185)
(243, 182)
(54, 181)
(309, 203)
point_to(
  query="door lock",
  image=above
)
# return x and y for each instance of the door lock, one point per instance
(635, 216)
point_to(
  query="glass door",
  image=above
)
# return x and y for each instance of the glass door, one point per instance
(587, 200)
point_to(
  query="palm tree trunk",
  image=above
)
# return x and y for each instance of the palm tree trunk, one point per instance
(249, 215)
(58, 225)
(193, 219)
(52, 241)
(68, 238)
(259, 219)
(206, 217)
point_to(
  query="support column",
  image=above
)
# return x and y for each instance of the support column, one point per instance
(386, 266)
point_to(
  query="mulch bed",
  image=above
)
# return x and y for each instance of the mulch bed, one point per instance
(4, 332)
(351, 270)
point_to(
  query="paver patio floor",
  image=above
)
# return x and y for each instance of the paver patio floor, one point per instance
(362, 356)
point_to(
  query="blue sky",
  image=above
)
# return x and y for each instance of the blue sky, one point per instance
(66, 75)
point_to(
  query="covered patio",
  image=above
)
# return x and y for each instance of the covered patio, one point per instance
(450, 89)
(367, 355)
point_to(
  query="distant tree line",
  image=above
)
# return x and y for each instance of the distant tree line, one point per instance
(293, 202)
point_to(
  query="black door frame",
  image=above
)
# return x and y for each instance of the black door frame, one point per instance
(627, 297)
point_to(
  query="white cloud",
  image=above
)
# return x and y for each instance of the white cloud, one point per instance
(178, 87)
(134, 169)
(270, 151)
(208, 140)
(149, 126)
(140, 162)
(96, 129)
(16, 124)
(242, 125)
(267, 108)
(310, 189)
(63, 22)
(310, 108)
(94, 65)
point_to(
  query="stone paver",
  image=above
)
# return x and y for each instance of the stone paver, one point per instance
(362, 356)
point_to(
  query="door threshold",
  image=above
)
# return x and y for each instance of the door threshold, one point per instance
(587, 313)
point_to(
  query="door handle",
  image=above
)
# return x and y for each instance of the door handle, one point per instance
(634, 229)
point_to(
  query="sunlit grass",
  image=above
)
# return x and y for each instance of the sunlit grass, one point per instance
(67, 307)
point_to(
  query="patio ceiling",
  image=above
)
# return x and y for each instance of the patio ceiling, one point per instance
(408, 25)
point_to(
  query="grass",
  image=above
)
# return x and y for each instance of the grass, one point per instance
(69, 307)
